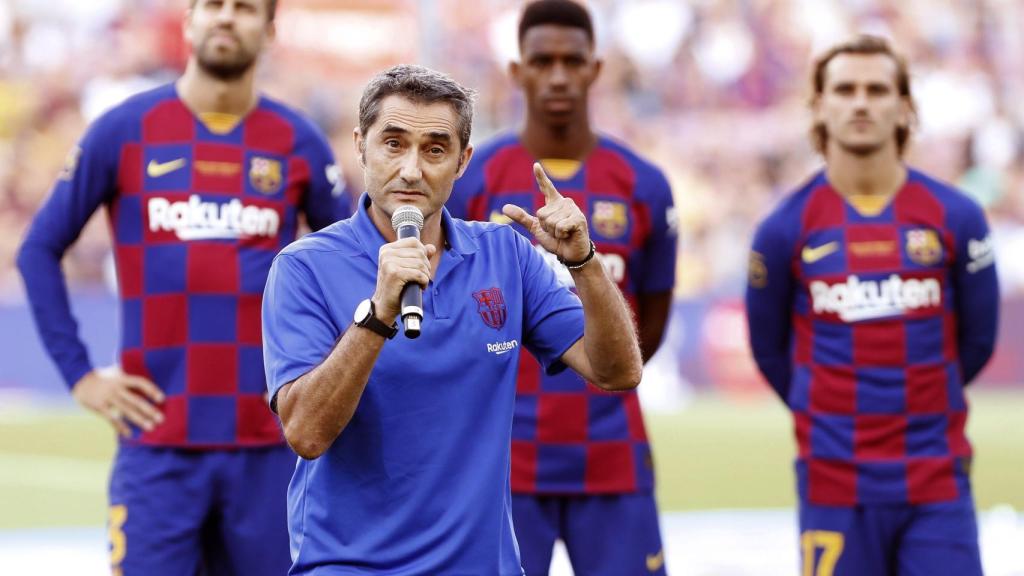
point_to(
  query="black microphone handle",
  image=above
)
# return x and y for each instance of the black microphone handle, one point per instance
(412, 293)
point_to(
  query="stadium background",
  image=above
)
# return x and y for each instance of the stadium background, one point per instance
(713, 91)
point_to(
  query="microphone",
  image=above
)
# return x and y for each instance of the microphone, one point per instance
(407, 222)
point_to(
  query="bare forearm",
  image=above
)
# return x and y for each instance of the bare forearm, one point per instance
(317, 407)
(609, 336)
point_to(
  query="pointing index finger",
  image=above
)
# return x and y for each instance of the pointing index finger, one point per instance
(549, 190)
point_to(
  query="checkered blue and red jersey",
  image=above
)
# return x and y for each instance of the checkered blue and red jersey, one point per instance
(568, 436)
(869, 324)
(196, 218)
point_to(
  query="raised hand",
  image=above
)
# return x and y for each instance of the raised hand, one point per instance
(559, 226)
(120, 399)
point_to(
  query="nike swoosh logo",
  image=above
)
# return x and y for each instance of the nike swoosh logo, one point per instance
(157, 169)
(812, 255)
(655, 561)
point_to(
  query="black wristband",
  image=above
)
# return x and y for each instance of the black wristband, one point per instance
(581, 263)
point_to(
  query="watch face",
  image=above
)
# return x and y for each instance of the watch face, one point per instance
(362, 311)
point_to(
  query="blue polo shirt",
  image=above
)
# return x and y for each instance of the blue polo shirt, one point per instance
(418, 482)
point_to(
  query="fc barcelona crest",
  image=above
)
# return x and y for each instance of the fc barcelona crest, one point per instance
(924, 246)
(490, 303)
(609, 218)
(265, 174)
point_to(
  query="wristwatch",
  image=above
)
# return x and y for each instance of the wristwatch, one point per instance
(366, 317)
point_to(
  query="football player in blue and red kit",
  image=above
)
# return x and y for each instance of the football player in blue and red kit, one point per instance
(581, 462)
(203, 182)
(872, 301)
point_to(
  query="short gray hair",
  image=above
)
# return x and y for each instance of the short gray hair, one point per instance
(422, 85)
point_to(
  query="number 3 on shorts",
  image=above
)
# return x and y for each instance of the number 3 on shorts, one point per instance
(118, 542)
(831, 544)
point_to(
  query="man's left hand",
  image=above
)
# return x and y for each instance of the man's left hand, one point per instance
(559, 226)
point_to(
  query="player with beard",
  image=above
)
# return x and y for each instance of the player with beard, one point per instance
(203, 181)
(872, 302)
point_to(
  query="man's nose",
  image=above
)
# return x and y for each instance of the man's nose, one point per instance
(559, 74)
(410, 169)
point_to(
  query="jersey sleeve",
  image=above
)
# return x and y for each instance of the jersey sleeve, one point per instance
(977, 291)
(328, 199)
(297, 331)
(553, 314)
(468, 187)
(659, 260)
(769, 302)
(87, 181)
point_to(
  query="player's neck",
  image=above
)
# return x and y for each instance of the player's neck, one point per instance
(878, 174)
(571, 142)
(203, 93)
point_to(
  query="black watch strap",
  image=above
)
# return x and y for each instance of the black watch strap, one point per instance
(374, 324)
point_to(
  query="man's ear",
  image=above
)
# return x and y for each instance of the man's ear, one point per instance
(464, 159)
(360, 145)
(514, 71)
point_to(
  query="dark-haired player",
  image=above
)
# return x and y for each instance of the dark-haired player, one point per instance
(203, 182)
(872, 302)
(581, 463)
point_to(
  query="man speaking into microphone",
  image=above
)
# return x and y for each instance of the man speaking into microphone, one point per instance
(405, 442)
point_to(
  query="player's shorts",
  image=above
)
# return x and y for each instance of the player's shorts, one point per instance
(180, 512)
(605, 535)
(938, 539)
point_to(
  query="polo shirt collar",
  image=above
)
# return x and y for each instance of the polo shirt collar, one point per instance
(459, 242)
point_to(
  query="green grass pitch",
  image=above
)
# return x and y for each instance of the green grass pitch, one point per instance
(54, 463)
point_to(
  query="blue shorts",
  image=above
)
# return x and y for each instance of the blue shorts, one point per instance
(605, 535)
(938, 539)
(180, 512)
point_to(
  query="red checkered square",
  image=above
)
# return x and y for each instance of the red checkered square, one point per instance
(255, 423)
(880, 437)
(873, 248)
(524, 466)
(133, 362)
(129, 169)
(562, 417)
(298, 180)
(217, 169)
(927, 389)
(802, 428)
(881, 343)
(833, 390)
(825, 209)
(634, 417)
(804, 345)
(605, 456)
(832, 482)
(916, 205)
(949, 337)
(212, 268)
(249, 308)
(956, 436)
(168, 121)
(164, 320)
(174, 429)
(212, 369)
(930, 480)
(268, 132)
(528, 381)
(129, 270)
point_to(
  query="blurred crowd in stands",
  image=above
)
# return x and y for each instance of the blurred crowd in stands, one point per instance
(713, 91)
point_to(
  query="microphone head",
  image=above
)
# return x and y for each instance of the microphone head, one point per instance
(406, 215)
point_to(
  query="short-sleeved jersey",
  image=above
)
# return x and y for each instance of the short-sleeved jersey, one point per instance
(196, 217)
(418, 481)
(571, 437)
(869, 324)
